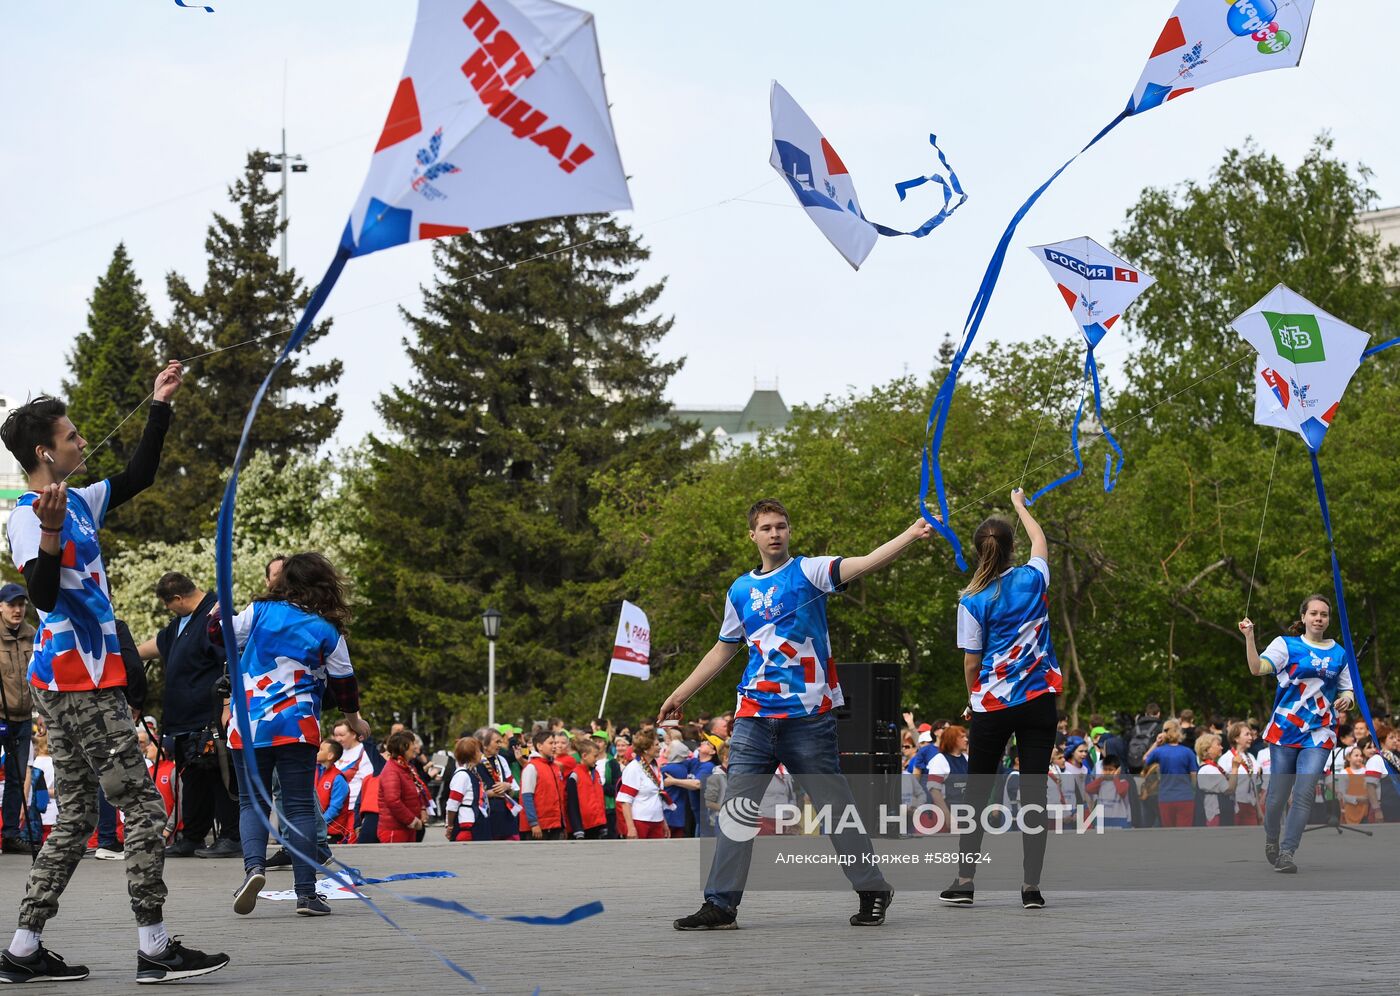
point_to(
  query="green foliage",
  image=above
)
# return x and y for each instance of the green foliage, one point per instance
(528, 384)
(113, 366)
(244, 298)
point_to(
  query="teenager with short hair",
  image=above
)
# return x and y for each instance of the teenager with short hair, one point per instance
(77, 674)
(787, 693)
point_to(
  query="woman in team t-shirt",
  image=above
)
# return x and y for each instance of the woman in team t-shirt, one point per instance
(1012, 680)
(1312, 676)
(640, 799)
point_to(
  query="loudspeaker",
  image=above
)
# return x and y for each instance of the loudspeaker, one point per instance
(875, 784)
(869, 721)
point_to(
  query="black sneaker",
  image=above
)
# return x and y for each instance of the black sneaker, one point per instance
(1271, 852)
(957, 895)
(1031, 899)
(708, 917)
(1285, 863)
(176, 962)
(223, 848)
(182, 848)
(873, 905)
(42, 966)
(314, 905)
(13, 845)
(245, 897)
(280, 859)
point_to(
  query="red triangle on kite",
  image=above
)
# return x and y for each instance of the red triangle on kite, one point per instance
(403, 121)
(1071, 298)
(1172, 38)
(1108, 322)
(427, 230)
(1180, 93)
(834, 165)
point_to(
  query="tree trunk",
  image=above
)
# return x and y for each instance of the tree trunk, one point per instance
(1074, 666)
(1171, 668)
(1382, 691)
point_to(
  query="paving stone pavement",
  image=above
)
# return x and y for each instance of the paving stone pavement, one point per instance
(790, 942)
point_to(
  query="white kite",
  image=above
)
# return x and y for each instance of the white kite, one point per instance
(500, 117)
(823, 185)
(1098, 287)
(1306, 359)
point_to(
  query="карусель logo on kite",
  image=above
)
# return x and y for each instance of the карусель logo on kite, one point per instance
(1256, 19)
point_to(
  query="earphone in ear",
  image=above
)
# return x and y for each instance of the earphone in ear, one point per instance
(48, 457)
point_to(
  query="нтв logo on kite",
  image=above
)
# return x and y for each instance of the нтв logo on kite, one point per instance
(1297, 337)
(429, 169)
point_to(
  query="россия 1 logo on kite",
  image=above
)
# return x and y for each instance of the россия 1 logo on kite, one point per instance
(1256, 19)
(1297, 337)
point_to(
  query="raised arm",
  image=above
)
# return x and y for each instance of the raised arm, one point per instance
(1257, 665)
(1039, 547)
(140, 471)
(884, 554)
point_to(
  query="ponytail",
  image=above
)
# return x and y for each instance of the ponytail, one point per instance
(993, 541)
(1297, 629)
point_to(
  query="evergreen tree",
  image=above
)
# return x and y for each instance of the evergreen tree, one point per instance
(245, 297)
(113, 365)
(531, 383)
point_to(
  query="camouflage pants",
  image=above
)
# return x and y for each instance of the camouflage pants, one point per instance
(93, 740)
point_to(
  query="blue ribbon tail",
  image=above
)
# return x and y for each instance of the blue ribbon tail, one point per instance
(1382, 346)
(950, 186)
(1358, 691)
(1110, 470)
(938, 413)
(1078, 461)
(223, 568)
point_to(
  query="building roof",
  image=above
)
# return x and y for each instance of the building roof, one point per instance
(765, 410)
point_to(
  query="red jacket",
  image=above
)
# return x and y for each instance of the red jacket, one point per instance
(584, 791)
(402, 797)
(549, 796)
(340, 825)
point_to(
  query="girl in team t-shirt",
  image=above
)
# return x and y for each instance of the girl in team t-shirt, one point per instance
(1312, 676)
(1012, 680)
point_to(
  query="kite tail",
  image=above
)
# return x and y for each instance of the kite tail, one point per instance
(1357, 689)
(950, 187)
(1377, 348)
(224, 576)
(1078, 462)
(1110, 469)
(938, 413)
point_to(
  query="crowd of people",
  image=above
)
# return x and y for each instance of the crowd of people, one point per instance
(87, 771)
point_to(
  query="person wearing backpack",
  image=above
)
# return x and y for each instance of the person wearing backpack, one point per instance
(1143, 736)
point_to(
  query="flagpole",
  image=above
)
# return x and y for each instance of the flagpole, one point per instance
(605, 692)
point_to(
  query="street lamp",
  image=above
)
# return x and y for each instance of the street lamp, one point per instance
(284, 164)
(491, 622)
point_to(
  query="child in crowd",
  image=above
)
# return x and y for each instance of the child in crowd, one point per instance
(1110, 789)
(583, 795)
(333, 791)
(468, 811)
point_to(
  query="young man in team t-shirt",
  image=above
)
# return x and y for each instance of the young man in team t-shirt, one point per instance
(77, 675)
(786, 697)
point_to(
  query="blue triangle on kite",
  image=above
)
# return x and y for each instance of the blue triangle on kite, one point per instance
(1154, 94)
(384, 226)
(1313, 430)
(1094, 333)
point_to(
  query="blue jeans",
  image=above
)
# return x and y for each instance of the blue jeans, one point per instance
(295, 765)
(807, 746)
(106, 821)
(1303, 766)
(16, 757)
(323, 836)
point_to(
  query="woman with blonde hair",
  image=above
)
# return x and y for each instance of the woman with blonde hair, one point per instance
(1176, 766)
(641, 801)
(1012, 680)
(1215, 786)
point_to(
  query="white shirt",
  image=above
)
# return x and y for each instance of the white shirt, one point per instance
(643, 793)
(1246, 788)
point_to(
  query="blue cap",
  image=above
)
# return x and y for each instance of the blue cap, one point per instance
(13, 593)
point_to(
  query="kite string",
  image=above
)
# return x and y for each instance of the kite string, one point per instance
(1044, 410)
(1249, 592)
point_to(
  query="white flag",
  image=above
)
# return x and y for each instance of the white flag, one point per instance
(632, 647)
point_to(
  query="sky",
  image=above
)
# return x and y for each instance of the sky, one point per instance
(126, 122)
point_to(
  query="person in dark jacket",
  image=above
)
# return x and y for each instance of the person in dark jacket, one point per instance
(17, 706)
(194, 663)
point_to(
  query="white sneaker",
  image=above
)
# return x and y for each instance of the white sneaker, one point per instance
(106, 854)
